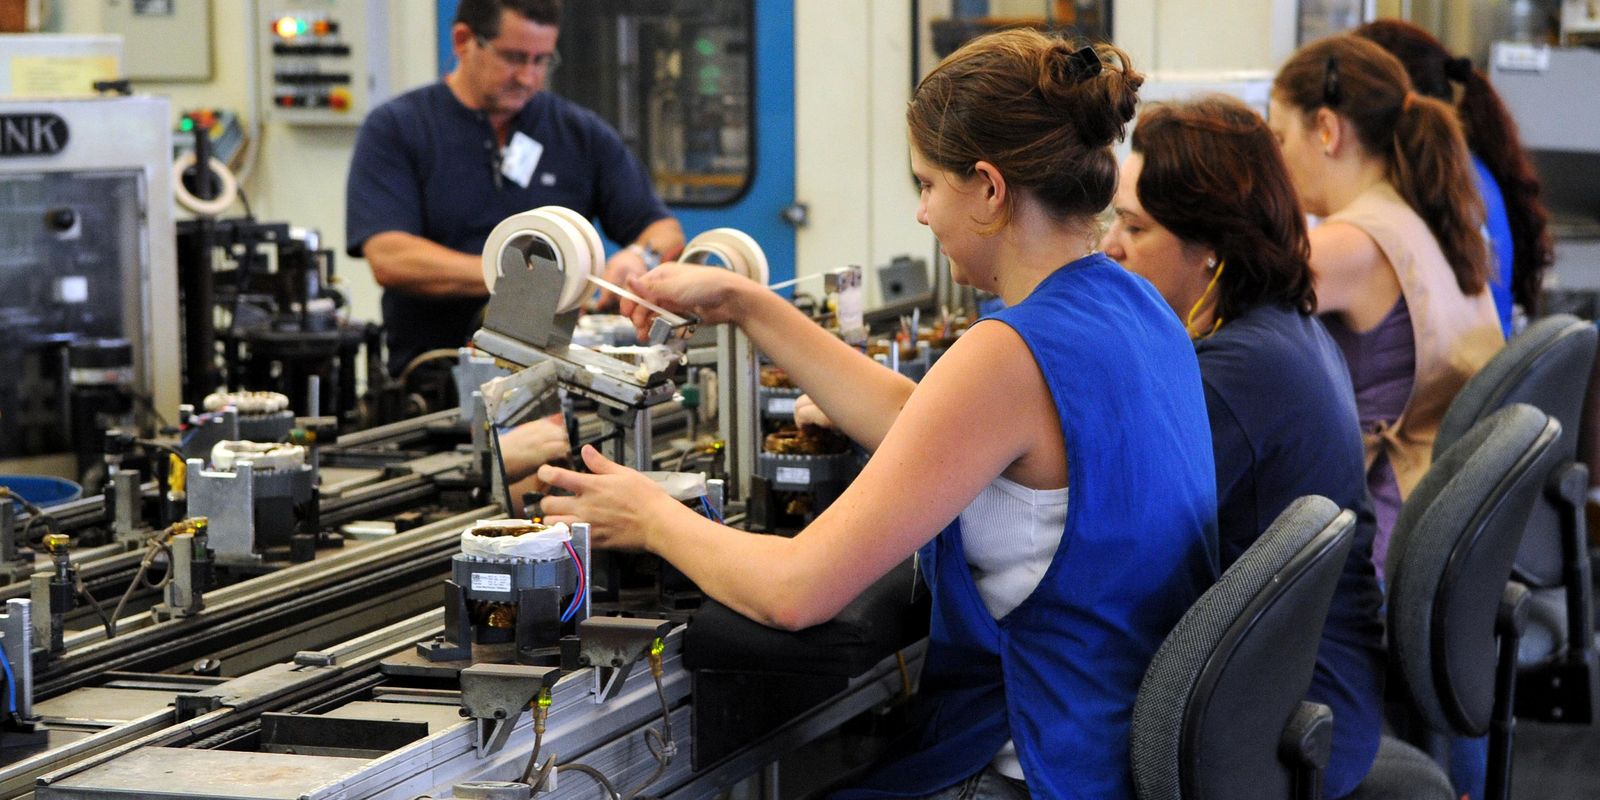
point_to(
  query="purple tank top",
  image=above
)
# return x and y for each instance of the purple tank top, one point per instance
(1382, 361)
(1383, 369)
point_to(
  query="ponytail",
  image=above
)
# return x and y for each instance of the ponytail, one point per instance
(1492, 135)
(1419, 138)
(1431, 169)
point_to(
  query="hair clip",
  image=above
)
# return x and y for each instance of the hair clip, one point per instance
(1458, 69)
(1331, 94)
(1085, 63)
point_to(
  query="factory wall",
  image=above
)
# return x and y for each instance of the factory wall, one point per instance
(854, 68)
(299, 173)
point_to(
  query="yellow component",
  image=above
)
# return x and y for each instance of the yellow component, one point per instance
(656, 649)
(177, 472)
(56, 542)
(544, 698)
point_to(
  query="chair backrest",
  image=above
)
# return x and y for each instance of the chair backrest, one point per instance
(1218, 694)
(1450, 558)
(1546, 366)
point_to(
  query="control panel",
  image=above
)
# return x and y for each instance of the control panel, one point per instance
(323, 61)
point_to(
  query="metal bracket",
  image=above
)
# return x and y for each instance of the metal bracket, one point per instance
(612, 645)
(16, 637)
(495, 695)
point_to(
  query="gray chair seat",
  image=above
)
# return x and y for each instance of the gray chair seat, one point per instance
(1546, 636)
(1402, 772)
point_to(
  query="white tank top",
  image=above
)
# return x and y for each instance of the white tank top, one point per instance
(1011, 534)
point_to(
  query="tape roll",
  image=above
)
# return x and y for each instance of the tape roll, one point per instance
(568, 235)
(734, 248)
(597, 250)
(195, 204)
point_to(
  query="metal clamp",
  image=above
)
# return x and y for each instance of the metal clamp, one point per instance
(612, 645)
(495, 695)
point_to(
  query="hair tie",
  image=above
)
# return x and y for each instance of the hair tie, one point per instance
(1084, 63)
(1458, 69)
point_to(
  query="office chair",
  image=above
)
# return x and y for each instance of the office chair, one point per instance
(1547, 366)
(1221, 712)
(1455, 620)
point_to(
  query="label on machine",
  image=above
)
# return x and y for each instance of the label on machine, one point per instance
(780, 405)
(491, 582)
(785, 475)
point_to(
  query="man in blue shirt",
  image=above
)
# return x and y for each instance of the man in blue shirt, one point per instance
(435, 169)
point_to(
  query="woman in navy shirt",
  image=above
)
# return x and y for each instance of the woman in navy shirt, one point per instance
(1206, 212)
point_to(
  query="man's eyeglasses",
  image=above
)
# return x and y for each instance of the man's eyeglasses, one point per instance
(518, 60)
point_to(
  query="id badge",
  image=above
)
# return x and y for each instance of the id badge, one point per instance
(520, 158)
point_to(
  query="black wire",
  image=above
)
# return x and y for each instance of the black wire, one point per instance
(99, 610)
(245, 201)
(599, 777)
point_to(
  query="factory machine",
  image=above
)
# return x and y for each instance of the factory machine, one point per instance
(86, 256)
(303, 611)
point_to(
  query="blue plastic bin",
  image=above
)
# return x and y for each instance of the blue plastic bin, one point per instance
(42, 490)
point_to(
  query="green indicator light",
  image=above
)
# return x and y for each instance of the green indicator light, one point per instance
(705, 46)
(186, 125)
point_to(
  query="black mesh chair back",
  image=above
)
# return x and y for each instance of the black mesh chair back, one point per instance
(1546, 366)
(1221, 702)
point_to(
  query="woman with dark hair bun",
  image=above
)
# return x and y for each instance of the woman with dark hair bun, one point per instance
(1517, 221)
(1053, 471)
(1400, 260)
(1204, 210)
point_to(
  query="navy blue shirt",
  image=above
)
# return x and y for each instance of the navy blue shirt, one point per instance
(425, 164)
(1283, 425)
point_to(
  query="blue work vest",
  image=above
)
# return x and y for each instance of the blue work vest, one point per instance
(1058, 674)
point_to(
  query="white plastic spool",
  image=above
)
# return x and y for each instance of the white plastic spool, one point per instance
(576, 244)
(734, 248)
(229, 190)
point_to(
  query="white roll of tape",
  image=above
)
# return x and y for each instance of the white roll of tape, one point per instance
(568, 235)
(734, 248)
(206, 208)
(263, 456)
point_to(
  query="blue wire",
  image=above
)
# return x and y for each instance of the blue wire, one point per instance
(577, 596)
(710, 512)
(11, 682)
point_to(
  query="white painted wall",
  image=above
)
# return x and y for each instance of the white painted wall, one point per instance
(852, 162)
(300, 173)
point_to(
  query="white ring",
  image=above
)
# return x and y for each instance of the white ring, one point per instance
(734, 247)
(597, 250)
(569, 236)
(206, 208)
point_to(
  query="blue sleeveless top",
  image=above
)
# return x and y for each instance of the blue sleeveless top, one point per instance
(1058, 675)
(1497, 224)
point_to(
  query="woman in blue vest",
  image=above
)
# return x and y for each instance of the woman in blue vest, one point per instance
(1053, 470)
(1206, 212)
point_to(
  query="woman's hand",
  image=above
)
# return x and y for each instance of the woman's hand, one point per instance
(806, 413)
(622, 506)
(709, 293)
